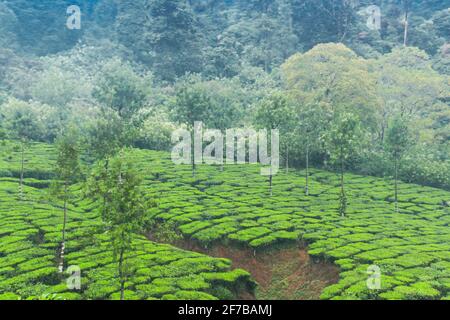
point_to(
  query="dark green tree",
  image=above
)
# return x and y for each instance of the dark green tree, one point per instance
(124, 211)
(163, 33)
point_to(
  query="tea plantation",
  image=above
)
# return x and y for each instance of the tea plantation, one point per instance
(30, 233)
(231, 206)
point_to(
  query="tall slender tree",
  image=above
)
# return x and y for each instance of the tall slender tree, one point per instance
(67, 172)
(191, 104)
(22, 126)
(276, 112)
(307, 132)
(406, 22)
(398, 140)
(342, 140)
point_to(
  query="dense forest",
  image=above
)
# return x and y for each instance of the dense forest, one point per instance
(238, 59)
(353, 86)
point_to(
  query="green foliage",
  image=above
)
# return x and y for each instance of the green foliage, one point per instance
(156, 133)
(167, 37)
(337, 100)
(121, 89)
(343, 137)
(332, 77)
(275, 112)
(342, 141)
(21, 120)
(124, 206)
(164, 232)
(191, 103)
(30, 235)
(67, 162)
(398, 138)
(106, 136)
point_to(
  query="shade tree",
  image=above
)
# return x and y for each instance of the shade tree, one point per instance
(398, 141)
(22, 125)
(276, 112)
(68, 171)
(332, 79)
(124, 212)
(342, 140)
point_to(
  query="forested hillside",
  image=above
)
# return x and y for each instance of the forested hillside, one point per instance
(232, 55)
(358, 90)
(217, 38)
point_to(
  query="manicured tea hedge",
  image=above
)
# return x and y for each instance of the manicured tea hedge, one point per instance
(30, 231)
(234, 206)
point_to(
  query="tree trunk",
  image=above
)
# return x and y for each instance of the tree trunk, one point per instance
(307, 170)
(343, 205)
(270, 183)
(287, 158)
(383, 127)
(63, 242)
(105, 200)
(193, 156)
(22, 169)
(405, 36)
(396, 184)
(121, 275)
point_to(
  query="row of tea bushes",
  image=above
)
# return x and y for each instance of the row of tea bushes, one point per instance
(234, 206)
(30, 233)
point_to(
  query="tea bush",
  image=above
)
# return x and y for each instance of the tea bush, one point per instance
(234, 206)
(30, 233)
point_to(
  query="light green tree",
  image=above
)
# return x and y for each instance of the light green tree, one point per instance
(334, 78)
(23, 126)
(408, 87)
(191, 104)
(276, 112)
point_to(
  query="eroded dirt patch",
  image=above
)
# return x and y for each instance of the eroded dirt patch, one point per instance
(281, 273)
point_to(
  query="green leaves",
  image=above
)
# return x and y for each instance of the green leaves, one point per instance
(121, 89)
(275, 112)
(344, 137)
(398, 137)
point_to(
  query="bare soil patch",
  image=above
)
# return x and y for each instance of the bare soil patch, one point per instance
(286, 273)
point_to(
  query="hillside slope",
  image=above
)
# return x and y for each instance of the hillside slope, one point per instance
(232, 207)
(30, 233)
